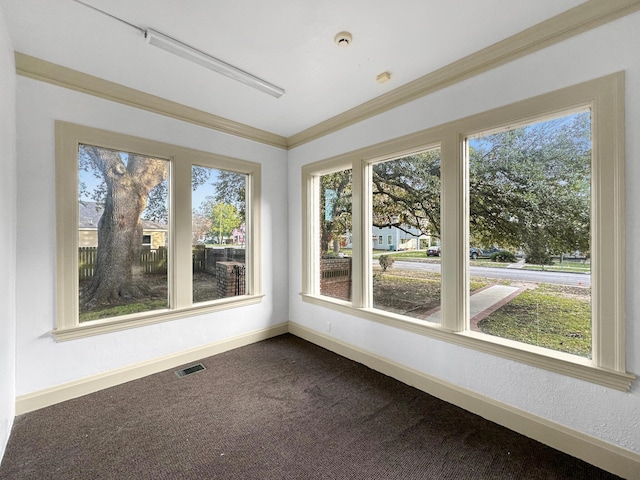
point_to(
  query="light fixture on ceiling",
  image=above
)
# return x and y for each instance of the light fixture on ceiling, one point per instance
(343, 39)
(183, 50)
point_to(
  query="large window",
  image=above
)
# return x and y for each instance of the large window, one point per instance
(405, 196)
(149, 231)
(335, 226)
(509, 227)
(530, 221)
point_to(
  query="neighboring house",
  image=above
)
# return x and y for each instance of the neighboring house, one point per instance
(239, 235)
(393, 238)
(154, 235)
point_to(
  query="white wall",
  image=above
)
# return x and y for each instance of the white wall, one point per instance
(7, 235)
(610, 415)
(43, 363)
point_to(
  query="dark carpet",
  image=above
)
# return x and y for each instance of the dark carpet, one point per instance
(279, 409)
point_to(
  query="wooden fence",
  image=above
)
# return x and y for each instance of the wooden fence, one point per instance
(151, 260)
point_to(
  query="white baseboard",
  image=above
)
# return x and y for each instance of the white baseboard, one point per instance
(50, 396)
(609, 457)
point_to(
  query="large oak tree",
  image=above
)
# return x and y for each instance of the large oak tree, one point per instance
(127, 180)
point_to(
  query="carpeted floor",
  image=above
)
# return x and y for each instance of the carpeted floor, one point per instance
(278, 409)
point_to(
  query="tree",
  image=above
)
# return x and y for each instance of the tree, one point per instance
(231, 187)
(201, 227)
(127, 180)
(224, 219)
(530, 187)
(406, 192)
(335, 209)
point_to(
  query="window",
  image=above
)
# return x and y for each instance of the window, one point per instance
(380, 239)
(530, 212)
(197, 216)
(335, 225)
(405, 194)
(538, 187)
(218, 200)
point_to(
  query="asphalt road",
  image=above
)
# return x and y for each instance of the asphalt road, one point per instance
(559, 278)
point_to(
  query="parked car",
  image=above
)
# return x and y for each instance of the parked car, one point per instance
(475, 252)
(433, 251)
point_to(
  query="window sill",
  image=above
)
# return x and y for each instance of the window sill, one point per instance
(558, 362)
(98, 327)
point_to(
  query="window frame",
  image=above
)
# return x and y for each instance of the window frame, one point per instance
(68, 138)
(605, 98)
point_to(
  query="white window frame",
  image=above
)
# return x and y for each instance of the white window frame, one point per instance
(68, 138)
(605, 98)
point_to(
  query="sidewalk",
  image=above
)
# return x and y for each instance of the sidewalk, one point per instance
(519, 264)
(482, 303)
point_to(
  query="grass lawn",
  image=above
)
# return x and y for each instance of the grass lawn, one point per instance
(119, 310)
(547, 317)
(569, 267)
(406, 254)
(551, 316)
(409, 292)
(487, 262)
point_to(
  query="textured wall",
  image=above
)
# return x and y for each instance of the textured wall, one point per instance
(7, 235)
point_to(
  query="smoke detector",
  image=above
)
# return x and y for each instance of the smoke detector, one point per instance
(383, 77)
(343, 39)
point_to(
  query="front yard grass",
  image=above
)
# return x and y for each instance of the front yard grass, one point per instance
(557, 317)
(409, 292)
(546, 317)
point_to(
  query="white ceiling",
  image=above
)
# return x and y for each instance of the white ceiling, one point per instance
(286, 42)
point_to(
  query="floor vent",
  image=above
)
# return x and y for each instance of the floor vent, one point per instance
(189, 370)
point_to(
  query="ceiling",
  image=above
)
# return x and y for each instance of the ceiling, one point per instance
(289, 43)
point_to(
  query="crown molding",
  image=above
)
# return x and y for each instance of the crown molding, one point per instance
(52, 73)
(579, 19)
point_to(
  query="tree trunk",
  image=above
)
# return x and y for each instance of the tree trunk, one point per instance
(118, 272)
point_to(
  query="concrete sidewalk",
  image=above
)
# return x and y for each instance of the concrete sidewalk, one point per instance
(483, 303)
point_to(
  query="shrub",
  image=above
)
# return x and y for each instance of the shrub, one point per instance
(504, 256)
(385, 262)
(538, 256)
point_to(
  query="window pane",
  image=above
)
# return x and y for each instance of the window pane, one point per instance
(529, 215)
(218, 233)
(406, 211)
(335, 235)
(122, 233)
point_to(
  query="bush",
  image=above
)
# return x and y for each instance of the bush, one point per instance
(504, 256)
(538, 256)
(385, 262)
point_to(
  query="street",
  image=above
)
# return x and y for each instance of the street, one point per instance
(559, 278)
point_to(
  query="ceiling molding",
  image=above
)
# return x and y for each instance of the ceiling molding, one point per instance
(582, 18)
(52, 73)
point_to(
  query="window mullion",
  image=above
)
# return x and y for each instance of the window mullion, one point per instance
(361, 215)
(180, 271)
(455, 302)
(608, 233)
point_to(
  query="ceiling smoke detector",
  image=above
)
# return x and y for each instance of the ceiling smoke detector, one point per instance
(343, 39)
(383, 77)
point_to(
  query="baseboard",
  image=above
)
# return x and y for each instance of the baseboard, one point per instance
(609, 457)
(50, 396)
